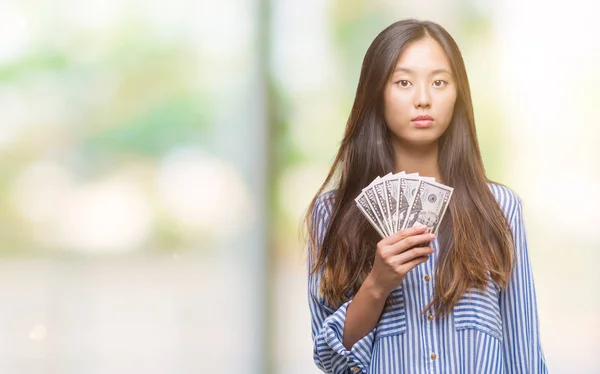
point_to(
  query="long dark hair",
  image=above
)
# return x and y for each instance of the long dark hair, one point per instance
(475, 238)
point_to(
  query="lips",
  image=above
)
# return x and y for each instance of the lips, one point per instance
(424, 117)
(423, 121)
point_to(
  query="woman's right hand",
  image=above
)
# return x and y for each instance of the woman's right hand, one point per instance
(397, 254)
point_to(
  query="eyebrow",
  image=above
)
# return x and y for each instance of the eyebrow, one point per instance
(436, 71)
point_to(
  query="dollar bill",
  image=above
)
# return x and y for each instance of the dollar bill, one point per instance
(398, 201)
(403, 204)
(410, 189)
(391, 188)
(429, 205)
(363, 205)
(381, 195)
(373, 201)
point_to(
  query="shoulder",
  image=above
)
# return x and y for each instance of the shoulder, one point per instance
(509, 200)
(320, 216)
(318, 223)
(324, 205)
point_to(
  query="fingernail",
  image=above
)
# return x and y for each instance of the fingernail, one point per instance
(420, 225)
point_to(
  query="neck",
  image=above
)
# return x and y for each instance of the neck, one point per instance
(422, 160)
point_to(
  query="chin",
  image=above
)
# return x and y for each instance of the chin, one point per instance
(422, 141)
(418, 138)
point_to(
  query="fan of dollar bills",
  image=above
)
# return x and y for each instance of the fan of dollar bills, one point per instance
(398, 201)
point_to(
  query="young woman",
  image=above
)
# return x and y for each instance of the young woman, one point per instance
(465, 304)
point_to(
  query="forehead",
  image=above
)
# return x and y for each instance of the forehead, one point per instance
(423, 55)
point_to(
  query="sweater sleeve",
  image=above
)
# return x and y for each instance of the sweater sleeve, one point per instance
(327, 324)
(522, 346)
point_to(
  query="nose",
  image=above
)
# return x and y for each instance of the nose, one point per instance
(422, 98)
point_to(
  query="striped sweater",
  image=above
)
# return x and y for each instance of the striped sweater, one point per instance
(492, 332)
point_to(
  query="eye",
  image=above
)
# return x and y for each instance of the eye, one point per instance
(439, 83)
(403, 83)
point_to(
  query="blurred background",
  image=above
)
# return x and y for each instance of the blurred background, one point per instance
(156, 158)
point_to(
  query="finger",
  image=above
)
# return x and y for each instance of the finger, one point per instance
(413, 253)
(410, 242)
(408, 266)
(402, 234)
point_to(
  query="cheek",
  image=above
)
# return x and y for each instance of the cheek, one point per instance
(397, 107)
(447, 108)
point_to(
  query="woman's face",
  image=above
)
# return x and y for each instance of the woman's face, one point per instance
(422, 85)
